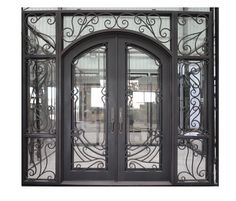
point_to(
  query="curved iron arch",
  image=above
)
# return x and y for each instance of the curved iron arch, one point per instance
(107, 33)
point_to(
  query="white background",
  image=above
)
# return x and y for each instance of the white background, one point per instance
(10, 122)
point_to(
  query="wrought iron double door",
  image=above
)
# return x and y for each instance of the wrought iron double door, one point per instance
(116, 109)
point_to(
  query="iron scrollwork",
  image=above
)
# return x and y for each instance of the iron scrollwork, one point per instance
(86, 154)
(192, 160)
(40, 38)
(154, 25)
(146, 155)
(41, 159)
(192, 36)
(41, 96)
(191, 97)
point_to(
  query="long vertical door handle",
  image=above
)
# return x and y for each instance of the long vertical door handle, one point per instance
(120, 120)
(112, 119)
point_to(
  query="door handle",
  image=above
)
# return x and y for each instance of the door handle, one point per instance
(112, 119)
(120, 120)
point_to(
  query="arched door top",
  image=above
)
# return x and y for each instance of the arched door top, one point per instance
(102, 35)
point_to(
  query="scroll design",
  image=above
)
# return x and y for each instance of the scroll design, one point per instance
(149, 24)
(147, 154)
(191, 93)
(192, 160)
(87, 155)
(193, 43)
(41, 84)
(39, 42)
(41, 160)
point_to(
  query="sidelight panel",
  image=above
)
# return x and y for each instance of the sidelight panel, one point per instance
(192, 160)
(144, 137)
(88, 132)
(193, 136)
(192, 97)
(41, 158)
(41, 90)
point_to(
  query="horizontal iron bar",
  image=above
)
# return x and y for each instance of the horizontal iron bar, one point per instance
(40, 56)
(95, 183)
(115, 12)
(40, 182)
(193, 57)
(192, 183)
(193, 137)
(116, 183)
(39, 135)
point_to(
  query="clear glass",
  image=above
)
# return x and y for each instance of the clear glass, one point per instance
(143, 110)
(89, 110)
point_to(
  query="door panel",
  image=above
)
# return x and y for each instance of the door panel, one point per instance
(116, 110)
(89, 93)
(143, 147)
(143, 98)
(89, 140)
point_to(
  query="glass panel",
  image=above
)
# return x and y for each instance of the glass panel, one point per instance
(192, 35)
(192, 145)
(40, 37)
(192, 94)
(89, 110)
(204, 9)
(192, 160)
(41, 96)
(41, 158)
(143, 111)
(155, 26)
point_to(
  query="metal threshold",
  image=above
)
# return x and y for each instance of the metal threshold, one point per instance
(116, 183)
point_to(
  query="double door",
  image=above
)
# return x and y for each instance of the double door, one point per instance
(116, 113)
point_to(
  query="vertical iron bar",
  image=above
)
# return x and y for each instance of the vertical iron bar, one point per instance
(217, 93)
(174, 100)
(59, 98)
(23, 98)
(210, 99)
(37, 105)
(150, 89)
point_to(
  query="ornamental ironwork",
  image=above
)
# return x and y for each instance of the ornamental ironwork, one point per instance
(153, 25)
(190, 38)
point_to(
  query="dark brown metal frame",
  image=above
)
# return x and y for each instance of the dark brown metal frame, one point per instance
(213, 66)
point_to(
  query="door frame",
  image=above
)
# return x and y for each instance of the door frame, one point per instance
(116, 141)
(212, 17)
